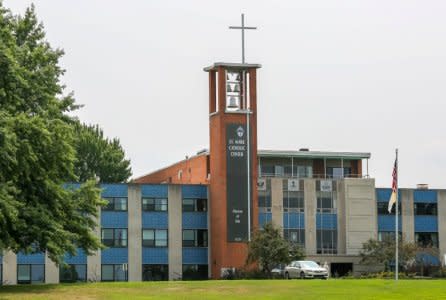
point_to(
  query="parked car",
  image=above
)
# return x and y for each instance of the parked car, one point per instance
(278, 271)
(305, 269)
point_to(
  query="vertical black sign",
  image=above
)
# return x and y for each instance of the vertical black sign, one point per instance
(237, 182)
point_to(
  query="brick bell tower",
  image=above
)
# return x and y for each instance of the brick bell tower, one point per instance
(233, 163)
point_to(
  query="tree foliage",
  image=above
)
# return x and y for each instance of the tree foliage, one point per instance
(268, 248)
(99, 156)
(37, 154)
(383, 252)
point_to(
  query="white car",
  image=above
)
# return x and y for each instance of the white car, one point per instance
(305, 269)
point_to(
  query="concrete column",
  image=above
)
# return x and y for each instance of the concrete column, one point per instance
(310, 216)
(134, 233)
(441, 205)
(342, 242)
(277, 202)
(94, 261)
(407, 213)
(175, 232)
(51, 271)
(9, 268)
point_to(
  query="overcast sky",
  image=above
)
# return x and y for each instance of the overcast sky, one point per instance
(365, 76)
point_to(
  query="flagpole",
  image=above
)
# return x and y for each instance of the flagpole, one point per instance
(396, 218)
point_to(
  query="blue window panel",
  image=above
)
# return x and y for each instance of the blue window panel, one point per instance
(195, 256)
(264, 218)
(114, 219)
(326, 221)
(71, 186)
(195, 220)
(155, 220)
(383, 195)
(429, 196)
(294, 220)
(194, 191)
(155, 256)
(427, 259)
(79, 258)
(114, 190)
(387, 223)
(114, 256)
(154, 190)
(36, 258)
(426, 223)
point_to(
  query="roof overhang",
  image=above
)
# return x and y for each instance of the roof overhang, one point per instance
(234, 66)
(314, 154)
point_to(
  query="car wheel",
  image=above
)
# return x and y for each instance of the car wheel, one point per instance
(287, 275)
(302, 275)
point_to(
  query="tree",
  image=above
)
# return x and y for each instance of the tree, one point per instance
(99, 156)
(37, 154)
(383, 252)
(268, 248)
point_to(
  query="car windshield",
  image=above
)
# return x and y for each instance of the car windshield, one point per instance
(310, 264)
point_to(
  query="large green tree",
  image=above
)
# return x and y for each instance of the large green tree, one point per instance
(268, 248)
(37, 154)
(98, 156)
(376, 252)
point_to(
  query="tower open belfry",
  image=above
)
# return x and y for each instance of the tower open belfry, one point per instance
(233, 157)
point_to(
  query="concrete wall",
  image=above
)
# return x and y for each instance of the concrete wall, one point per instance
(134, 233)
(441, 204)
(277, 202)
(175, 232)
(342, 242)
(360, 213)
(9, 268)
(407, 213)
(310, 216)
(94, 261)
(51, 271)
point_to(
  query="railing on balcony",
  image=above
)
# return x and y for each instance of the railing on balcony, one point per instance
(316, 176)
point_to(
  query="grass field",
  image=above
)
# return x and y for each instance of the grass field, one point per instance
(237, 289)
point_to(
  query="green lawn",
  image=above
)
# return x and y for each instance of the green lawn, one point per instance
(237, 289)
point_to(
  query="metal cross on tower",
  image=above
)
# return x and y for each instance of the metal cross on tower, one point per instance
(243, 27)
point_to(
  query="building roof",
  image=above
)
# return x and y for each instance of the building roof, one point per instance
(313, 154)
(231, 66)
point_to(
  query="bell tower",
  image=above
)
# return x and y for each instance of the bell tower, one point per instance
(233, 163)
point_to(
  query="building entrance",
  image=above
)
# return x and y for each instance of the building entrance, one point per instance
(340, 269)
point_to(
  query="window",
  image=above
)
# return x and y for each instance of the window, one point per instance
(293, 201)
(115, 204)
(30, 274)
(326, 241)
(295, 236)
(425, 209)
(326, 202)
(154, 237)
(195, 272)
(114, 237)
(114, 272)
(155, 272)
(384, 206)
(427, 239)
(386, 235)
(194, 205)
(154, 204)
(195, 238)
(338, 172)
(264, 200)
(72, 273)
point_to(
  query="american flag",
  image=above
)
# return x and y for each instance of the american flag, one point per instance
(392, 199)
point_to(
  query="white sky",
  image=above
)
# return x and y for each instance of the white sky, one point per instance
(365, 76)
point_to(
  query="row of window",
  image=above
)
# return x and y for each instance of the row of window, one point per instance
(117, 237)
(294, 201)
(423, 239)
(35, 273)
(155, 204)
(420, 209)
